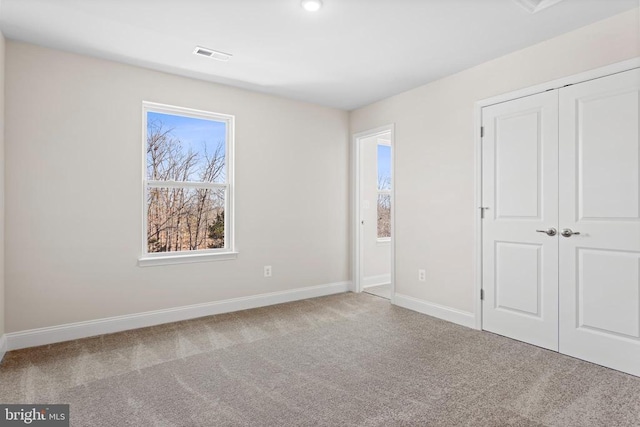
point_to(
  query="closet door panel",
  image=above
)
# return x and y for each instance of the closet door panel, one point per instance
(600, 200)
(520, 190)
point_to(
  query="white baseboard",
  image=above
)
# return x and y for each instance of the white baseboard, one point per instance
(3, 346)
(382, 279)
(90, 328)
(449, 314)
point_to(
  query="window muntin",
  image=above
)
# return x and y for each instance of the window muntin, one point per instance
(187, 182)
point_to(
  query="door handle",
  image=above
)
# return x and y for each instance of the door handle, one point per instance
(550, 232)
(567, 232)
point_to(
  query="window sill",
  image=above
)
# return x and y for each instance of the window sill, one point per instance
(185, 259)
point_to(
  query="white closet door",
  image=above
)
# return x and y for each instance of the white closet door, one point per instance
(600, 199)
(520, 190)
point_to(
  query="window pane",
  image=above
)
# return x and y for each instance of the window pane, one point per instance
(384, 167)
(384, 216)
(181, 148)
(185, 219)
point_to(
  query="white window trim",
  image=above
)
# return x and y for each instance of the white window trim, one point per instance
(167, 258)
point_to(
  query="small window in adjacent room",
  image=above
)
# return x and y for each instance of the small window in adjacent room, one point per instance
(384, 192)
(188, 185)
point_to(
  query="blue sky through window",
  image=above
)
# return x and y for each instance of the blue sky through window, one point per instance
(384, 167)
(191, 131)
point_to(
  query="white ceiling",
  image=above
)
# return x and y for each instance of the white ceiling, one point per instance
(349, 54)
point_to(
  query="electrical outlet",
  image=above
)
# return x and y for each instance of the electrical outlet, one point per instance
(267, 271)
(422, 275)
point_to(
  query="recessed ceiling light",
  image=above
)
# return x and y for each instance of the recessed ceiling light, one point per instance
(311, 5)
(210, 53)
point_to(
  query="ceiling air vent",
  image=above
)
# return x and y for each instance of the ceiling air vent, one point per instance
(533, 6)
(210, 53)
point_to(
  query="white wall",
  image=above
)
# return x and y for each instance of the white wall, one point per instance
(73, 170)
(376, 256)
(2, 168)
(74, 194)
(435, 153)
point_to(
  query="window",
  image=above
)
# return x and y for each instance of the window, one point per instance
(188, 185)
(384, 192)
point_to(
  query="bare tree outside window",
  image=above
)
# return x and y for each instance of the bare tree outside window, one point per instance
(384, 191)
(186, 185)
(384, 213)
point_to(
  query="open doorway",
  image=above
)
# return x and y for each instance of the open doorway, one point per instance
(374, 212)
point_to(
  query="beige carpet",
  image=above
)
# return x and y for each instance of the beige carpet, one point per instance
(343, 360)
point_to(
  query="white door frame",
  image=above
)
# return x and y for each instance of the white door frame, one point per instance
(356, 242)
(618, 67)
